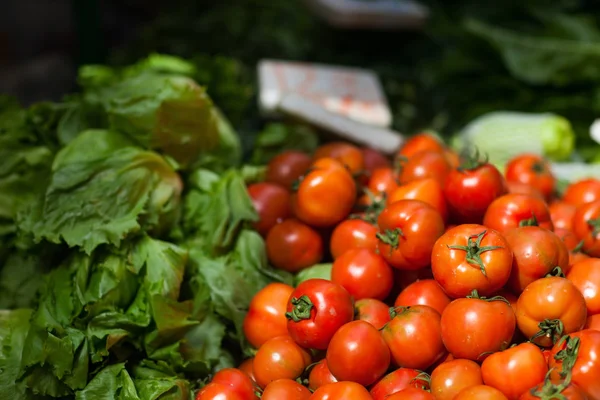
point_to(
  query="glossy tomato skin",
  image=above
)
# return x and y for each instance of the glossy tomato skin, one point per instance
(586, 369)
(550, 390)
(568, 238)
(266, 314)
(449, 378)
(457, 275)
(396, 381)
(272, 203)
(427, 190)
(421, 142)
(512, 210)
(583, 191)
(293, 246)
(325, 195)
(537, 251)
(533, 170)
(353, 234)
(218, 391)
(411, 394)
(515, 370)
(550, 299)
(521, 188)
(480, 392)
(374, 159)
(425, 164)
(346, 153)
(474, 328)
(285, 168)
(585, 275)
(561, 214)
(414, 337)
(341, 391)
(279, 358)
(237, 381)
(373, 311)
(425, 292)
(320, 375)
(593, 322)
(363, 273)
(358, 353)
(408, 230)
(383, 181)
(285, 389)
(586, 226)
(327, 306)
(246, 367)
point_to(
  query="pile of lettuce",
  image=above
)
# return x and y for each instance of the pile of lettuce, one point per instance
(127, 260)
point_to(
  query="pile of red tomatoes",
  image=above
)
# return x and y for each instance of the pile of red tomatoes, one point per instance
(449, 280)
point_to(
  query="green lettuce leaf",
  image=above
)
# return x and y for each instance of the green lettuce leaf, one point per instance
(14, 326)
(277, 137)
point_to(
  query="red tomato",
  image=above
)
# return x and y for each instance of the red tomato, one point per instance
(426, 292)
(383, 181)
(373, 311)
(593, 322)
(548, 308)
(521, 188)
(585, 275)
(586, 226)
(218, 391)
(414, 337)
(363, 273)
(287, 167)
(425, 164)
(341, 391)
(480, 392)
(374, 159)
(471, 257)
(515, 370)
(357, 353)
(579, 349)
(421, 142)
(325, 195)
(272, 203)
(514, 210)
(575, 257)
(246, 367)
(447, 357)
(279, 358)
(407, 231)
(293, 245)
(316, 310)
(554, 390)
(568, 238)
(347, 154)
(266, 314)
(285, 389)
(237, 380)
(320, 375)
(398, 380)
(561, 214)
(473, 328)
(427, 190)
(353, 234)
(471, 188)
(583, 191)
(449, 378)
(453, 158)
(411, 394)
(537, 251)
(532, 170)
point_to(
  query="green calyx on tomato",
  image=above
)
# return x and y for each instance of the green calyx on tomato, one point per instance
(538, 167)
(568, 355)
(475, 295)
(391, 237)
(595, 225)
(551, 390)
(397, 165)
(301, 310)
(552, 328)
(474, 251)
(375, 207)
(400, 310)
(556, 272)
(529, 222)
(422, 377)
(471, 160)
(296, 184)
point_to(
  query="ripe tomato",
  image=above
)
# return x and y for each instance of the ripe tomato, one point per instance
(246, 367)
(537, 251)
(515, 370)
(586, 226)
(473, 328)
(341, 391)
(426, 292)
(237, 381)
(480, 392)
(407, 231)
(593, 322)
(554, 390)
(266, 314)
(411, 394)
(575, 257)
(471, 188)
(585, 275)
(404, 278)
(421, 142)
(425, 164)
(293, 245)
(374, 159)
(414, 337)
(583, 191)
(353, 234)
(561, 214)
(532, 170)
(272, 203)
(521, 188)
(579, 350)
(471, 257)
(383, 181)
(285, 389)
(347, 154)
(548, 308)
(285, 168)
(514, 210)
(316, 310)
(568, 238)
(357, 353)
(218, 391)
(373, 311)
(320, 375)
(427, 190)
(279, 358)
(363, 273)
(449, 378)
(398, 380)
(325, 195)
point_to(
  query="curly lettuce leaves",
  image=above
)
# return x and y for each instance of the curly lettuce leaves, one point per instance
(14, 326)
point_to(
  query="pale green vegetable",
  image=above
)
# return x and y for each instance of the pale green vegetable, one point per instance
(317, 271)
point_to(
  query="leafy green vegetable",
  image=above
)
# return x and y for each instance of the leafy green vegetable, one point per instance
(278, 137)
(318, 271)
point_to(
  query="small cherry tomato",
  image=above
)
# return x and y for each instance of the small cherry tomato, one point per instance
(585, 275)
(449, 378)
(383, 181)
(398, 380)
(237, 381)
(582, 192)
(586, 226)
(285, 168)
(218, 391)
(285, 389)
(514, 210)
(279, 358)
(272, 203)
(293, 245)
(411, 394)
(347, 154)
(363, 273)
(533, 170)
(266, 314)
(320, 375)
(425, 164)
(480, 392)
(426, 292)
(561, 214)
(353, 234)
(373, 311)
(341, 391)
(427, 190)
(421, 142)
